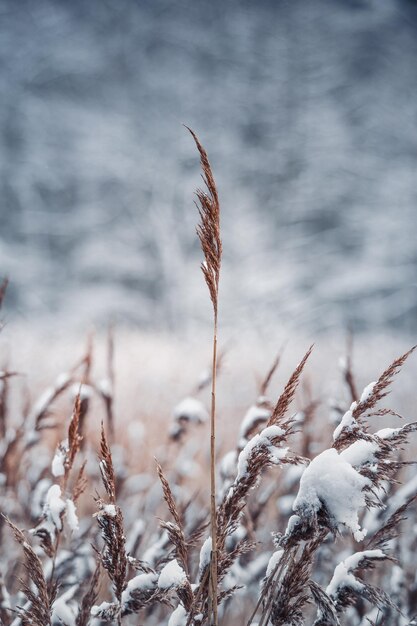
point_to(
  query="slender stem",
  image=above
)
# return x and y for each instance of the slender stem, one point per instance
(213, 564)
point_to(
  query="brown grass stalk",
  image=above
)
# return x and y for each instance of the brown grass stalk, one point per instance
(208, 232)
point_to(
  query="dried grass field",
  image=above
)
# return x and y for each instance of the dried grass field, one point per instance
(152, 480)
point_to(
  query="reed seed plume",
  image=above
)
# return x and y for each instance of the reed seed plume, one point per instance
(288, 394)
(263, 387)
(390, 530)
(174, 530)
(208, 230)
(380, 388)
(74, 437)
(110, 520)
(41, 596)
(106, 468)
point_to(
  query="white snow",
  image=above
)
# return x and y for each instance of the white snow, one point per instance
(273, 562)
(388, 433)
(109, 510)
(360, 452)
(346, 423)
(106, 388)
(141, 582)
(367, 392)
(62, 380)
(58, 462)
(71, 515)
(261, 440)
(62, 613)
(85, 391)
(294, 519)
(178, 617)
(190, 409)
(343, 574)
(172, 575)
(331, 481)
(205, 555)
(253, 415)
(97, 609)
(54, 506)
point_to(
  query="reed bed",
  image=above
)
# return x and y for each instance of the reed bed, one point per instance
(302, 519)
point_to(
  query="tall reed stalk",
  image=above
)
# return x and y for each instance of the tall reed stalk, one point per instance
(208, 232)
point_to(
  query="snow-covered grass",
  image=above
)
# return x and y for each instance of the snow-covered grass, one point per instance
(307, 499)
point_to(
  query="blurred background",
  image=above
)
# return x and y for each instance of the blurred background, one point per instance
(308, 111)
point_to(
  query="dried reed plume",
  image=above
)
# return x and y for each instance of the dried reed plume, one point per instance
(174, 529)
(110, 520)
(208, 232)
(288, 394)
(38, 610)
